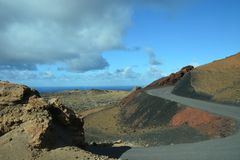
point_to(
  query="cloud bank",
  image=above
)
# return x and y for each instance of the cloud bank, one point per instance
(73, 32)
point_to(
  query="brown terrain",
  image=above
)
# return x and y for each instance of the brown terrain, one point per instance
(140, 110)
(33, 128)
(218, 81)
(141, 119)
(85, 100)
(171, 79)
(44, 128)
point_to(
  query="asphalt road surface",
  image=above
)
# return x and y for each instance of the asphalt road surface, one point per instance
(227, 148)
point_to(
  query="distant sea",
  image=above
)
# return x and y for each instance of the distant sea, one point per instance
(60, 89)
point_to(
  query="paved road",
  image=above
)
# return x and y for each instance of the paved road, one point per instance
(216, 149)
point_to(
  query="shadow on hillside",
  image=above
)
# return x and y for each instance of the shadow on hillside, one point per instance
(113, 152)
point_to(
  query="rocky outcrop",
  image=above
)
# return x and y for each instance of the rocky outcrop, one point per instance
(171, 79)
(11, 94)
(48, 124)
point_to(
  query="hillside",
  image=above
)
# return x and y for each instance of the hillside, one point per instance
(140, 109)
(217, 81)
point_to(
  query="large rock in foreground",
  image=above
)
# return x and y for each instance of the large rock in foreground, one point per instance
(47, 124)
(12, 94)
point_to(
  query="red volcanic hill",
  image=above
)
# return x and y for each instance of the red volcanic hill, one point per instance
(171, 79)
(165, 81)
(140, 110)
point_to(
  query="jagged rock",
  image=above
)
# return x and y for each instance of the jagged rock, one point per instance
(12, 94)
(171, 79)
(48, 124)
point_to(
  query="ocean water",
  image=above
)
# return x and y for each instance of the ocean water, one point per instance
(60, 89)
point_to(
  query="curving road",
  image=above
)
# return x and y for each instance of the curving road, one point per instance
(216, 149)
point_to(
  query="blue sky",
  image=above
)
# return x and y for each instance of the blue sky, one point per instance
(113, 43)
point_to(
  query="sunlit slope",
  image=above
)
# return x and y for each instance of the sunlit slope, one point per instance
(218, 81)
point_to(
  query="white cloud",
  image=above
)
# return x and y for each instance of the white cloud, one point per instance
(74, 32)
(152, 57)
(47, 75)
(127, 73)
(154, 72)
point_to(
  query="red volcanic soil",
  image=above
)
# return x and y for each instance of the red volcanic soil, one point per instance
(139, 109)
(203, 121)
(192, 117)
(171, 79)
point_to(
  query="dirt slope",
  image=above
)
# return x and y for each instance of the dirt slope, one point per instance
(141, 110)
(148, 111)
(217, 81)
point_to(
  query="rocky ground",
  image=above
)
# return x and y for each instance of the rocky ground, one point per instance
(141, 119)
(34, 128)
(141, 111)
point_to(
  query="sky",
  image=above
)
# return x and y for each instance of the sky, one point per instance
(112, 42)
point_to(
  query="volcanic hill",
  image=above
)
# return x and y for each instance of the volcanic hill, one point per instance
(140, 110)
(218, 81)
